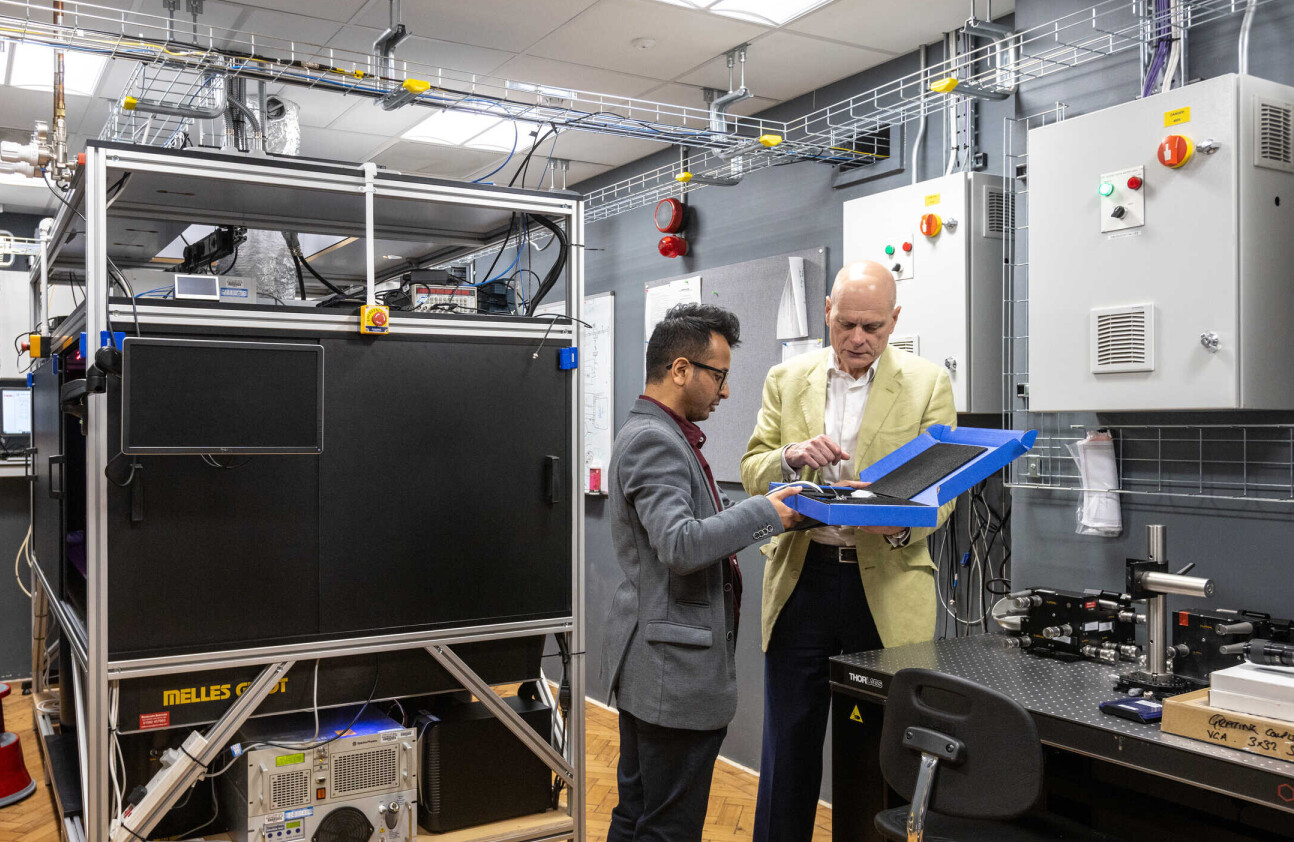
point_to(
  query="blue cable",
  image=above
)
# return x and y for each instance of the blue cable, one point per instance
(516, 135)
(151, 291)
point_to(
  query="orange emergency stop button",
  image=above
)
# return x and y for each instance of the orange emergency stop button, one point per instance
(1175, 150)
(931, 224)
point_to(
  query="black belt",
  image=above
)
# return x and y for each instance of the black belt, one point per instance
(826, 552)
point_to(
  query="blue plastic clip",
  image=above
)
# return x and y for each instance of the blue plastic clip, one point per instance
(118, 335)
(568, 358)
(30, 378)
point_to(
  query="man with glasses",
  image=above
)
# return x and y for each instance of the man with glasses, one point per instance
(670, 648)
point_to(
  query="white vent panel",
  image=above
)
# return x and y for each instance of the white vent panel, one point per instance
(1274, 135)
(361, 771)
(911, 344)
(1123, 339)
(291, 789)
(999, 212)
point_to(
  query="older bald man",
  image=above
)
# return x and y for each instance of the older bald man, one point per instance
(832, 590)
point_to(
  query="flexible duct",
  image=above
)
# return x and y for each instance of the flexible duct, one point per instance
(264, 254)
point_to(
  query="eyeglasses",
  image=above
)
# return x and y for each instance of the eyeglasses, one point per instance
(722, 372)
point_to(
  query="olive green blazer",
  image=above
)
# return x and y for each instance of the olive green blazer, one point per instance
(907, 395)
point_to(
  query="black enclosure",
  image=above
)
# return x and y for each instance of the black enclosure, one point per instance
(441, 499)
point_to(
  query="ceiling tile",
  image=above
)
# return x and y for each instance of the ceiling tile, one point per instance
(684, 38)
(319, 108)
(348, 147)
(599, 148)
(367, 117)
(502, 24)
(543, 71)
(776, 66)
(19, 107)
(876, 24)
(34, 198)
(281, 27)
(432, 159)
(334, 10)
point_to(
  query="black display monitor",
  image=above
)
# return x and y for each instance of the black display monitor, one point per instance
(15, 417)
(194, 396)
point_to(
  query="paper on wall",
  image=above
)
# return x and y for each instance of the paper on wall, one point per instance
(796, 347)
(792, 316)
(659, 300)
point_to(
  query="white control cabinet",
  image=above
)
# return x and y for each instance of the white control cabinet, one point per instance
(942, 238)
(1161, 241)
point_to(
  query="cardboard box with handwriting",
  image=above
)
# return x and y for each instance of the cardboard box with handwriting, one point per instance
(1190, 715)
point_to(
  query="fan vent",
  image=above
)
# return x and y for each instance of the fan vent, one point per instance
(1123, 339)
(999, 212)
(1274, 135)
(289, 789)
(345, 824)
(364, 770)
(911, 344)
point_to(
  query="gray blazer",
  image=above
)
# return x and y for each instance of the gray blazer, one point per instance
(669, 651)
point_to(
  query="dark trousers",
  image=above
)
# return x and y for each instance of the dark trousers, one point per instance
(664, 781)
(826, 615)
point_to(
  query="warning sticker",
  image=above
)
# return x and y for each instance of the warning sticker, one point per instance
(1177, 116)
(856, 716)
(932, 199)
(154, 720)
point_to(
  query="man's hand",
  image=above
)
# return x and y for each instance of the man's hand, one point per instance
(790, 517)
(870, 530)
(817, 452)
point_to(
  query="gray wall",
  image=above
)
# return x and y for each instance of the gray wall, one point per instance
(787, 208)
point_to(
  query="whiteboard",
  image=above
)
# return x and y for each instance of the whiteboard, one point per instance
(597, 362)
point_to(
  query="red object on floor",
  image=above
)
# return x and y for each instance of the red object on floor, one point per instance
(15, 783)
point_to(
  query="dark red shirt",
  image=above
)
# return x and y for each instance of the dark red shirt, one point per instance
(696, 438)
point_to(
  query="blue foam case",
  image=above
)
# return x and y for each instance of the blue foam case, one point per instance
(1003, 448)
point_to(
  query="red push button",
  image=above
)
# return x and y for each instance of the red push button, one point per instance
(907, 247)
(1134, 183)
(379, 318)
(1175, 150)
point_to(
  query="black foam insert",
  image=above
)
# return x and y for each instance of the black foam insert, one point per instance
(924, 470)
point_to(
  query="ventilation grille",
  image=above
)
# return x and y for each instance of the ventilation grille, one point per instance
(431, 773)
(1123, 339)
(364, 770)
(346, 824)
(290, 789)
(911, 344)
(1274, 135)
(999, 212)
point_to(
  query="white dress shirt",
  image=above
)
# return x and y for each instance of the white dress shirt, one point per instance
(842, 417)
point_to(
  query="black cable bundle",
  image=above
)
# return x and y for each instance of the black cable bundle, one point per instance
(564, 248)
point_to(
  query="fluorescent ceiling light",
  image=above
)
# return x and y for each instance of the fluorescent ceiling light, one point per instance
(475, 131)
(766, 12)
(32, 68)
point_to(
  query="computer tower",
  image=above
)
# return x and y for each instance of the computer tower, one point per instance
(476, 771)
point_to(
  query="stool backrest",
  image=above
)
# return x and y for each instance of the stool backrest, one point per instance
(1000, 775)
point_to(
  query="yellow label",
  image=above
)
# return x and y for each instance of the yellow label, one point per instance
(932, 199)
(1177, 116)
(211, 693)
(856, 716)
(289, 760)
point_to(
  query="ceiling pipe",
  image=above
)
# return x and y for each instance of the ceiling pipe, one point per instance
(384, 46)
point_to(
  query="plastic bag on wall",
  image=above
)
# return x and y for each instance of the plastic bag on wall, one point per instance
(1099, 511)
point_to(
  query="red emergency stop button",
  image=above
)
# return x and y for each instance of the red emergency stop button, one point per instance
(378, 318)
(907, 247)
(1175, 150)
(1134, 182)
(931, 224)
